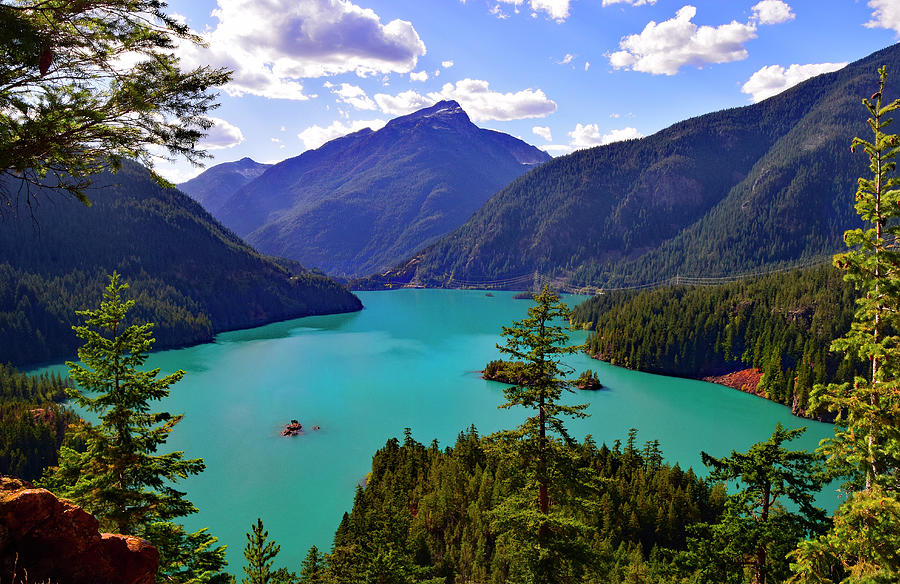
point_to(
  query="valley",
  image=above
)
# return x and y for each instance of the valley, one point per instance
(442, 315)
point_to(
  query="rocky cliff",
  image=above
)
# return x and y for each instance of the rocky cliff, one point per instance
(46, 539)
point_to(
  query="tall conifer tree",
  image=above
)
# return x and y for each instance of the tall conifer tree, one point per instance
(119, 475)
(546, 542)
(862, 544)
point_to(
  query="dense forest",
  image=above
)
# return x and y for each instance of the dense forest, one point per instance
(188, 274)
(781, 324)
(714, 195)
(427, 514)
(33, 422)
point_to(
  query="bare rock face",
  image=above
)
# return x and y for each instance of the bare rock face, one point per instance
(43, 538)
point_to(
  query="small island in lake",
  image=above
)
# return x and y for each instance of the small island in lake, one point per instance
(295, 428)
(523, 296)
(503, 371)
(588, 380)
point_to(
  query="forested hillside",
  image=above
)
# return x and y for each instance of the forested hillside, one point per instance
(432, 515)
(724, 193)
(32, 422)
(362, 202)
(188, 274)
(781, 324)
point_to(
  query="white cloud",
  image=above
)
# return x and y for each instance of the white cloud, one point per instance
(587, 65)
(772, 12)
(419, 76)
(482, 103)
(446, 64)
(315, 136)
(558, 10)
(886, 15)
(587, 135)
(543, 132)
(557, 149)
(476, 98)
(566, 60)
(222, 135)
(354, 96)
(403, 103)
(663, 48)
(774, 79)
(272, 45)
(499, 13)
(632, 2)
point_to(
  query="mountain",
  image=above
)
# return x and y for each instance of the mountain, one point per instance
(187, 273)
(212, 187)
(364, 201)
(732, 191)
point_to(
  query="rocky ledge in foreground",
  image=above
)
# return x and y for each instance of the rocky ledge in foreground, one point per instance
(50, 539)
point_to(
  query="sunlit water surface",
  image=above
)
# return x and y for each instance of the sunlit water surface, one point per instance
(409, 359)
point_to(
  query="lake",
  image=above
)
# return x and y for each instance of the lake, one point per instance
(409, 359)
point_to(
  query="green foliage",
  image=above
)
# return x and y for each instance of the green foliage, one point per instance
(312, 567)
(70, 106)
(588, 380)
(538, 342)
(756, 531)
(188, 274)
(865, 446)
(118, 473)
(780, 324)
(260, 555)
(433, 515)
(504, 371)
(716, 195)
(33, 422)
(861, 546)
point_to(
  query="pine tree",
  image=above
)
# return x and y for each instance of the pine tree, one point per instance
(757, 530)
(861, 546)
(311, 568)
(119, 475)
(72, 106)
(545, 544)
(260, 555)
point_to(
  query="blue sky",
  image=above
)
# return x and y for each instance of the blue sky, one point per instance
(559, 74)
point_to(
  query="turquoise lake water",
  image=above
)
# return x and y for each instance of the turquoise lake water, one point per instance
(409, 359)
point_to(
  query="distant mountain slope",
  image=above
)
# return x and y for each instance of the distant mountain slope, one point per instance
(364, 201)
(212, 187)
(187, 273)
(726, 192)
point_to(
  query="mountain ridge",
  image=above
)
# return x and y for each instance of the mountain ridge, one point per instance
(214, 185)
(364, 200)
(733, 191)
(187, 273)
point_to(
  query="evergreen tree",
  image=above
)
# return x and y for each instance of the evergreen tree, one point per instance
(260, 555)
(70, 105)
(119, 475)
(757, 531)
(312, 567)
(545, 544)
(862, 544)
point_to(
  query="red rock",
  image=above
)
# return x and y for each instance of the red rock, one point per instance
(746, 380)
(51, 539)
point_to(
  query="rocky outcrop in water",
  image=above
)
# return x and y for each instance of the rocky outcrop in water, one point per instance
(43, 538)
